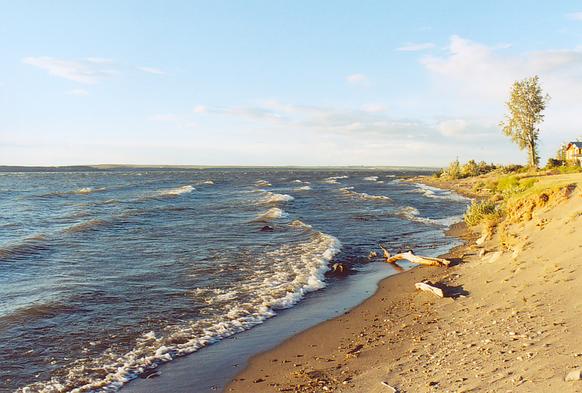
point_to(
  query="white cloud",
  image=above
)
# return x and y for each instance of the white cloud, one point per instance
(81, 71)
(415, 47)
(574, 16)
(152, 70)
(357, 79)
(452, 127)
(78, 92)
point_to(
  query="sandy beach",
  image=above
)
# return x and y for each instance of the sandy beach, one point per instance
(511, 322)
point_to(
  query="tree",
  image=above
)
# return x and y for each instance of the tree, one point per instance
(525, 106)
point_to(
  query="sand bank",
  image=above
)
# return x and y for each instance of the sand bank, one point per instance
(513, 326)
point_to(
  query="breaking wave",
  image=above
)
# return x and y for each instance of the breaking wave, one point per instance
(362, 195)
(371, 178)
(272, 197)
(293, 271)
(303, 188)
(439, 193)
(271, 214)
(412, 214)
(333, 179)
(175, 191)
(263, 183)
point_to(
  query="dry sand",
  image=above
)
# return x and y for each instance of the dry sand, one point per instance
(514, 326)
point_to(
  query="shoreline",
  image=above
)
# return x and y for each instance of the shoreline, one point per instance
(266, 371)
(513, 327)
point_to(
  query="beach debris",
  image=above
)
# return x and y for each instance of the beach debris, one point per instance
(390, 389)
(429, 287)
(339, 269)
(575, 375)
(410, 256)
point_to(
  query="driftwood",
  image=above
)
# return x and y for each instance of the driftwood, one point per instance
(409, 256)
(425, 286)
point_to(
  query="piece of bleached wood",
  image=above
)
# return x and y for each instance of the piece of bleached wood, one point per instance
(429, 288)
(409, 256)
(391, 389)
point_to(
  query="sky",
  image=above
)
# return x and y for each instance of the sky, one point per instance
(280, 82)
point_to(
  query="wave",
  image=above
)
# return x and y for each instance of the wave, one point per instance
(439, 193)
(333, 179)
(272, 197)
(412, 214)
(79, 191)
(271, 214)
(89, 190)
(303, 188)
(362, 195)
(371, 178)
(175, 191)
(86, 226)
(263, 183)
(207, 182)
(300, 224)
(294, 270)
(19, 250)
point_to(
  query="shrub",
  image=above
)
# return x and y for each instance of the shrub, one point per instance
(454, 170)
(470, 169)
(554, 163)
(480, 211)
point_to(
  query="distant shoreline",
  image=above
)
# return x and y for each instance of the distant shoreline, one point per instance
(113, 167)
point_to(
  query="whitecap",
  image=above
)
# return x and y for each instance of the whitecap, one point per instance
(271, 214)
(176, 191)
(439, 193)
(364, 196)
(272, 197)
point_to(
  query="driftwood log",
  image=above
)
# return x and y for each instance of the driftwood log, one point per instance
(409, 256)
(426, 286)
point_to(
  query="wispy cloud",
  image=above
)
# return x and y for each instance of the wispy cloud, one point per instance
(82, 71)
(415, 47)
(357, 80)
(574, 16)
(152, 70)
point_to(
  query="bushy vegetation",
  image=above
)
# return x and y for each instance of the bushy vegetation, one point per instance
(456, 170)
(482, 211)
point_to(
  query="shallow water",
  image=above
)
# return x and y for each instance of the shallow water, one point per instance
(103, 274)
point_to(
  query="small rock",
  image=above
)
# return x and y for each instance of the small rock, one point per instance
(575, 375)
(267, 228)
(259, 380)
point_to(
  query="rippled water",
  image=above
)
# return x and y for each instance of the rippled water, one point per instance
(103, 274)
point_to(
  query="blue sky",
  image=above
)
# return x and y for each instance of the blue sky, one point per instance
(280, 82)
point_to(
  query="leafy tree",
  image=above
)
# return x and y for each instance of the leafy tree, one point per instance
(525, 106)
